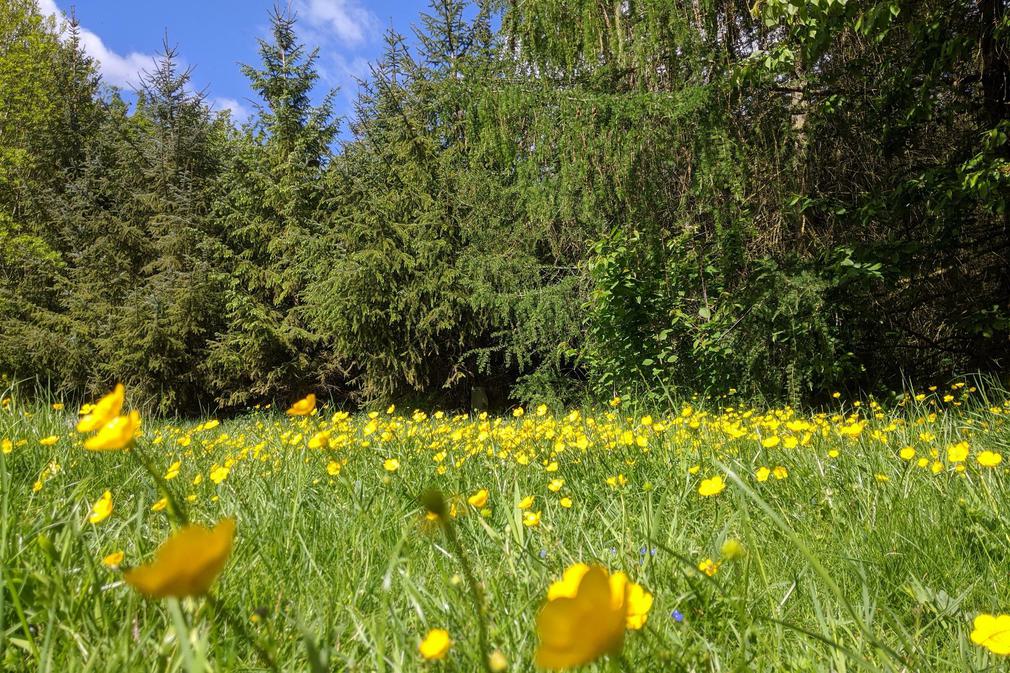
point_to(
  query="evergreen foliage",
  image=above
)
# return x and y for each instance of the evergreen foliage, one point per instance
(543, 199)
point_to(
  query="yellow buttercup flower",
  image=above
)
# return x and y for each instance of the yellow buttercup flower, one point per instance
(304, 406)
(103, 411)
(712, 486)
(113, 560)
(435, 645)
(50, 440)
(584, 619)
(531, 519)
(391, 465)
(116, 434)
(957, 453)
(992, 633)
(102, 508)
(989, 459)
(187, 563)
(478, 499)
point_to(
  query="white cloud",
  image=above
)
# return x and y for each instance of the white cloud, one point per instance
(122, 71)
(349, 21)
(239, 112)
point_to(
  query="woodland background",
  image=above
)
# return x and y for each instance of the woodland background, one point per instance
(550, 199)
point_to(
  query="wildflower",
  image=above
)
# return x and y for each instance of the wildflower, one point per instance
(187, 563)
(992, 633)
(709, 567)
(173, 470)
(497, 662)
(531, 519)
(732, 549)
(478, 499)
(160, 505)
(566, 502)
(50, 440)
(391, 465)
(435, 645)
(219, 473)
(712, 486)
(333, 468)
(957, 453)
(518, 412)
(770, 441)
(526, 502)
(762, 474)
(304, 406)
(882, 478)
(615, 401)
(103, 411)
(780, 472)
(6, 446)
(907, 453)
(583, 619)
(989, 459)
(113, 560)
(58, 406)
(555, 485)
(116, 434)
(102, 508)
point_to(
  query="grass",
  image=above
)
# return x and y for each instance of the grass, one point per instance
(857, 560)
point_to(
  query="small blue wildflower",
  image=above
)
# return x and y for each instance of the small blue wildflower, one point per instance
(677, 616)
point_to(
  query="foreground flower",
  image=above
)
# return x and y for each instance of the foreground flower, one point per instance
(102, 508)
(187, 563)
(391, 465)
(583, 619)
(713, 486)
(304, 406)
(103, 411)
(992, 633)
(435, 645)
(117, 434)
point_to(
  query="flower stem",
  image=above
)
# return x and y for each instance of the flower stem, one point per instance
(476, 594)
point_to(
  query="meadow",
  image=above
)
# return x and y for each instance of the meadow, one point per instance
(864, 537)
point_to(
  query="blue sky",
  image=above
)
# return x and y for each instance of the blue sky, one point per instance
(214, 36)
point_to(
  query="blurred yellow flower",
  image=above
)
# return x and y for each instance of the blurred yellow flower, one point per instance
(989, 459)
(50, 440)
(583, 619)
(304, 406)
(531, 519)
(732, 549)
(526, 502)
(333, 468)
(391, 465)
(992, 633)
(762, 474)
(160, 505)
(566, 502)
(478, 499)
(957, 453)
(435, 645)
(712, 486)
(113, 560)
(709, 567)
(102, 508)
(103, 411)
(116, 434)
(187, 563)
(6, 446)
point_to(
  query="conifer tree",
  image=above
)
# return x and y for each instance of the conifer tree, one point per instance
(269, 212)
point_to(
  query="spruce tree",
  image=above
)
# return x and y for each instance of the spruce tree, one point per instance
(269, 213)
